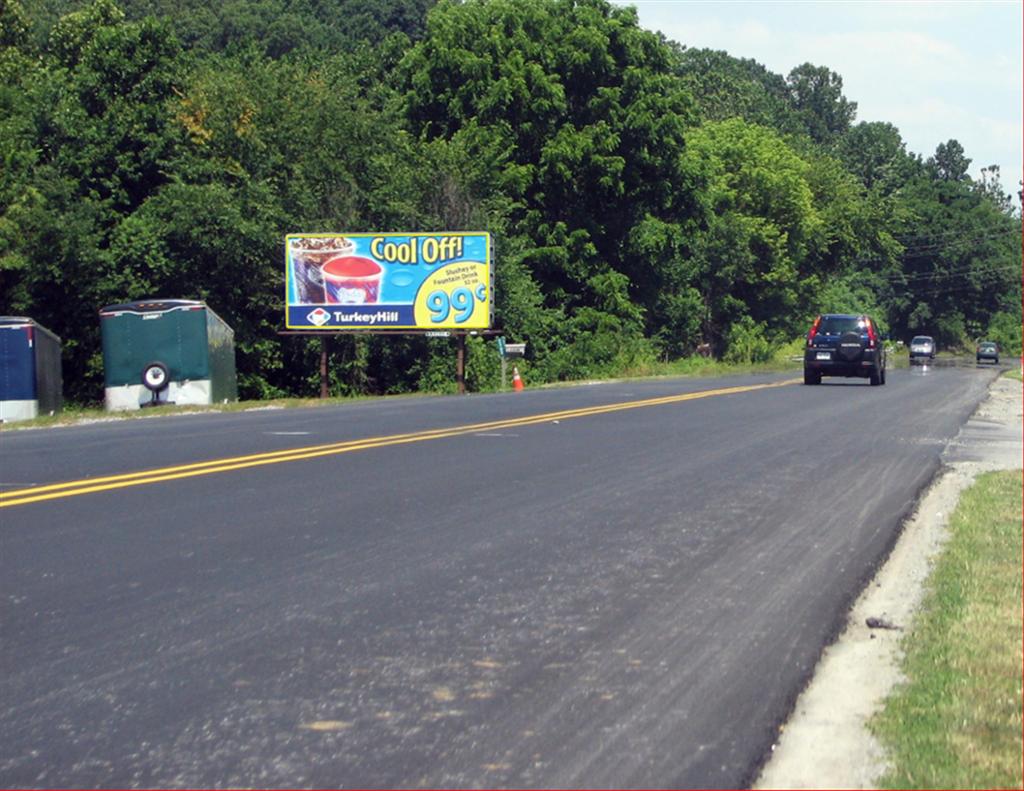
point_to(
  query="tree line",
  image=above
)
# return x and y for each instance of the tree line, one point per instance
(645, 199)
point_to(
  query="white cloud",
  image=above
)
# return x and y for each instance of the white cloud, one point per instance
(898, 55)
(733, 37)
(935, 70)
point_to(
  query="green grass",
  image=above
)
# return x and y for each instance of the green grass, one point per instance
(956, 722)
(1014, 373)
(72, 414)
(786, 357)
(691, 366)
(705, 366)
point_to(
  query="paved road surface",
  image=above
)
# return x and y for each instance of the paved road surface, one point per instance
(618, 597)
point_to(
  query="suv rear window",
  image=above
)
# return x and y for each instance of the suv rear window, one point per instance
(922, 339)
(837, 325)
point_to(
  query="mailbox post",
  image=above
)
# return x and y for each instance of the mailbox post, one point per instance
(507, 350)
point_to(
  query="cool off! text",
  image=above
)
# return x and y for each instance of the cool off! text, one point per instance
(431, 248)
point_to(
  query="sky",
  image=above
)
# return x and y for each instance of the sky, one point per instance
(936, 70)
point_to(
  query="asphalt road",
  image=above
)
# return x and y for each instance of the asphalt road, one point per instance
(568, 594)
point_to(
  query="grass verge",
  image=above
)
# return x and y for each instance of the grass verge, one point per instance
(695, 366)
(73, 414)
(956, 722)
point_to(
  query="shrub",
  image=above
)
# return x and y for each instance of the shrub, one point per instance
(745, 342)
(1005, 329)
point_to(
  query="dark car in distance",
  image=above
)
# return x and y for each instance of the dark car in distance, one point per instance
(922, 349)
(843, 344)
(987, 350)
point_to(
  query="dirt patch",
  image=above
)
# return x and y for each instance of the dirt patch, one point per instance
(825, 743)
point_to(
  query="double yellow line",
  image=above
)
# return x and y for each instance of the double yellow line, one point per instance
(56, 491)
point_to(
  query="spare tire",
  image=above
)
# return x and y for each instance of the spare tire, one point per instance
(155, 376)
(851, 347)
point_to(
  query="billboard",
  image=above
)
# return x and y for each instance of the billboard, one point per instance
(415, 281)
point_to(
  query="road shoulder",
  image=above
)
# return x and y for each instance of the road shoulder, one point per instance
(826, 743)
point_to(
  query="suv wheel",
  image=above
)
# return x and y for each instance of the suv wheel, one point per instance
(876, 379)
(812, 377)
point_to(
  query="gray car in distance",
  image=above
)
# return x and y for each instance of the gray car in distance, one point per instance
(922, 349)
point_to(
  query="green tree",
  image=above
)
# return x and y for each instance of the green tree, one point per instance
(74, 32)
(101, 142)
(15, 25)
(1004, 328)
(876, 154)
(590, 123)
(726, 87)
(19, 154)
(949, 162)
(817, 95)
(642, 197)
(960, 263)
(752, 259)
(295, 145)
(279, 27)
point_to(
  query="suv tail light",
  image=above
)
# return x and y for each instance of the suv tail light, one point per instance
(871, 333)
(814, 331)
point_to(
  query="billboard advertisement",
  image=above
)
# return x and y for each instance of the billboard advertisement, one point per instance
(414, 281)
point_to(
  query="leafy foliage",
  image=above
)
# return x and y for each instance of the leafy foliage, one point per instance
(817, 95)
(725, 87)
(645, 200)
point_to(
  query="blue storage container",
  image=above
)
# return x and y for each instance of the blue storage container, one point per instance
(31, 382)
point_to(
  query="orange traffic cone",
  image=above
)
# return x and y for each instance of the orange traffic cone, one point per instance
(517, 382)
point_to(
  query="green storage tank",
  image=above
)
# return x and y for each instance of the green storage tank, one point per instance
(166, 351)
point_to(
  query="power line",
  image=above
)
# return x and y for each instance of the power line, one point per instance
(934, 249)
(965, 272)
(925, 251)
(987, 280)
(995, 228)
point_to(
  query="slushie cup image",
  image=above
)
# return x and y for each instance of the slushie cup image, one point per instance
(352, 280)
(308, 256)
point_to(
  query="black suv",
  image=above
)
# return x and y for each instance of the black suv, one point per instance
(841, 344)
(987, 350)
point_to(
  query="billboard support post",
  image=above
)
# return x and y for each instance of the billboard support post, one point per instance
(325, 389)
(460, 362)
(460, 359)
(439, 284)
